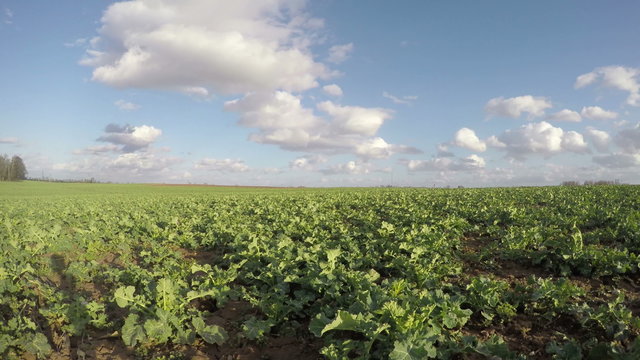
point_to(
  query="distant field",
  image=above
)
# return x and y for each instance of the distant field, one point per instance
(105, 271)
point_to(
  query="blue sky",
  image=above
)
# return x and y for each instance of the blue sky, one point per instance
(323, 93)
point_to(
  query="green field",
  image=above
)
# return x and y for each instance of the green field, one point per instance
(105, 271)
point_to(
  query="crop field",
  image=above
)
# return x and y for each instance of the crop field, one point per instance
(99, 271)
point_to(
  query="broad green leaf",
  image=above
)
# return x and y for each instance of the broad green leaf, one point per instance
(343, 321)
(158, 330)
(213, 334)
(125, 296)
(132, 332)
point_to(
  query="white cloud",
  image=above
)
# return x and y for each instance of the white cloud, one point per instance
(340, 53)
(616, 77)
(130, 138)
(466, 138)
(471, 162)
(281, 119)
(598, 113)
(618, 160)
(599, 138)
(406, 100)
(222, 47)
(97, 150)
(8, 140)
(565, 115)
(222, 165)
(629, 140)
(307, 162)
(126, 105)
(140, 165)
(354, 119)
(332, 89)
(494, 142)
(351, 168)
(443, 151)
(514, 107)
(76, 43)
(540, 138)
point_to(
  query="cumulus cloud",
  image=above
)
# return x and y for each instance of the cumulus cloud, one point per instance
(540, 138)
(514, 107)
(126, 105)
(565, 115)
(332, 89)
(600, 139)
(222, 165)
(307, 162)
(471, 162)
(130, 138)
(122, 166)
(281, 119)
(616, 77)
(443, 151)
(405, 100)
(598, 113)
(8, 140)
(467, 138)
(340, 53)
(208, 46)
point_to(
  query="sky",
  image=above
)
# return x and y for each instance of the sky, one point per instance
(322, 93)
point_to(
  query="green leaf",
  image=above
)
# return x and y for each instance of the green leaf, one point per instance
(255, 329)
(166, 293)
(124, 296)
(318, 324)
(213, 334)
(158, 330)
(37, 345)
(344, 321)
(132, 332)
(407, 351)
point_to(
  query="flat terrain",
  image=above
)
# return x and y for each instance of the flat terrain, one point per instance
(105, 271)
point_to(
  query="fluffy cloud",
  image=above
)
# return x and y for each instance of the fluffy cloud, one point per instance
(307, 162)
(354, 119)
(466, 138)
(406, 100)
(599, 138)
(332, 89)
(471, 162)
(598, 113)
(565, 115)
(8, 16)
(222, 165)
(282, 120)
(126, 105)
(339, 53)
(616, 77)
(141, 165)
(224, 47)
(130, 138)
(540, 138)
(514, 107)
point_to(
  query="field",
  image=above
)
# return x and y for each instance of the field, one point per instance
(98, 271)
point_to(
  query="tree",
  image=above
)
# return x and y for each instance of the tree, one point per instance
(12, 169)
(18, 170)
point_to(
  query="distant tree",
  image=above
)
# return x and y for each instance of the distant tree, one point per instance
(12, 169)
(18, 170)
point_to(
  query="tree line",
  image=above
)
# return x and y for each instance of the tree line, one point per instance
(12, 169)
